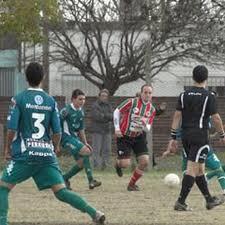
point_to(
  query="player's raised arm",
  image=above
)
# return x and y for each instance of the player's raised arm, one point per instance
(56, 129)
(9, 138)
(116, 122)
(219, 126)
(12, 126)
(215, 117)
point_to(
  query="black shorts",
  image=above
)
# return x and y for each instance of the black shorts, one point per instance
(127, 144)
(196, 144)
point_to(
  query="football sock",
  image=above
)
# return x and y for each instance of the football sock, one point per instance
(187, 183)
(223, 166)
(220, 176)
(212, 174)
(87, 167)
(137, 174)
(4, 205)
(203, 187)
(221, 180)
(75, 201)
(72, 172)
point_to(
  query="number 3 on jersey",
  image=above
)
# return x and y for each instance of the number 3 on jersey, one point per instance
(39, 117)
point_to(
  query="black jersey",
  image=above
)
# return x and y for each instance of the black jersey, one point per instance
(196, 105)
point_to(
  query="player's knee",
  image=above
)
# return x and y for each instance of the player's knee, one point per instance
(193, 169)
(80, 162)
(4, 192)
(124, 163)
(72, 199)
(59, 195)
(201, 171)
(220, 172)
(85, 151)
(143, 164)
(62, 195)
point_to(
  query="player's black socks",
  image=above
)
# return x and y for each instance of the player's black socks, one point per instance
(187, 183)
(203, 187)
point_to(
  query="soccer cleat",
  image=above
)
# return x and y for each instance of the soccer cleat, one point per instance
(94, 183)
(181, 207)
(119, 171)
(67, 183)
(133, 187)
(215, 201)
(99, 218)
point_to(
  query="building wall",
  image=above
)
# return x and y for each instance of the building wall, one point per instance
(166, 83)
(11, 81)
(169, 82)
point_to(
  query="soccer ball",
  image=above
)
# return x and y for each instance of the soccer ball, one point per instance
(172, 180)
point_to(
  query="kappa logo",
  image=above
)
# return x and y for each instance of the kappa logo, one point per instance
(9, 168)
(136, 110)
(38, 99)
(13, 103)
(148, 114)
(64, 112)
(76, 125)
(203, 156)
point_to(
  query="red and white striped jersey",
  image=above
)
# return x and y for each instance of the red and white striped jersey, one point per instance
(134, 114)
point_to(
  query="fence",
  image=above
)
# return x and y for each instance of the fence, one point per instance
(161, 126)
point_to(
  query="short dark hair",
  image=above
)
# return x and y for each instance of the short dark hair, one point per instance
(145, 85)
(103, 91)
(76, 93)
(34, 74)
(200, 74)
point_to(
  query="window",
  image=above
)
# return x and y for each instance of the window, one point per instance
(7, 77)
(73, 81)
(216, 83)
(219, 90)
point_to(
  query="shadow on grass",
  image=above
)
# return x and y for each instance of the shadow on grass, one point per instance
(49, 223)
(109, 223)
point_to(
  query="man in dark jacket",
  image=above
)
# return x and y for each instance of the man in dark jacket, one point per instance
(102, 116)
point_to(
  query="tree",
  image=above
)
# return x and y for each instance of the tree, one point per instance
(219, 3)
(28, 21)
(107, 43)
(24, 18)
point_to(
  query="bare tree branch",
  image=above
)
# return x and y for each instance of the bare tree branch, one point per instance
(106, 41)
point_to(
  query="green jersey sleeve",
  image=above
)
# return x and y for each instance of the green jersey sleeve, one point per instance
(13, 115)
(82, 124)
(55, 121)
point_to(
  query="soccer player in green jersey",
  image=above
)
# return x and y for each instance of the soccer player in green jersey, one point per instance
(31, 150)
(74, 138)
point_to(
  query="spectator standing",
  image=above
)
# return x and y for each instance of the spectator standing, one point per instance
(102, 116)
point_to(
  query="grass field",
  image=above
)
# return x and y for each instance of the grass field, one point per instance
(153, 205)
